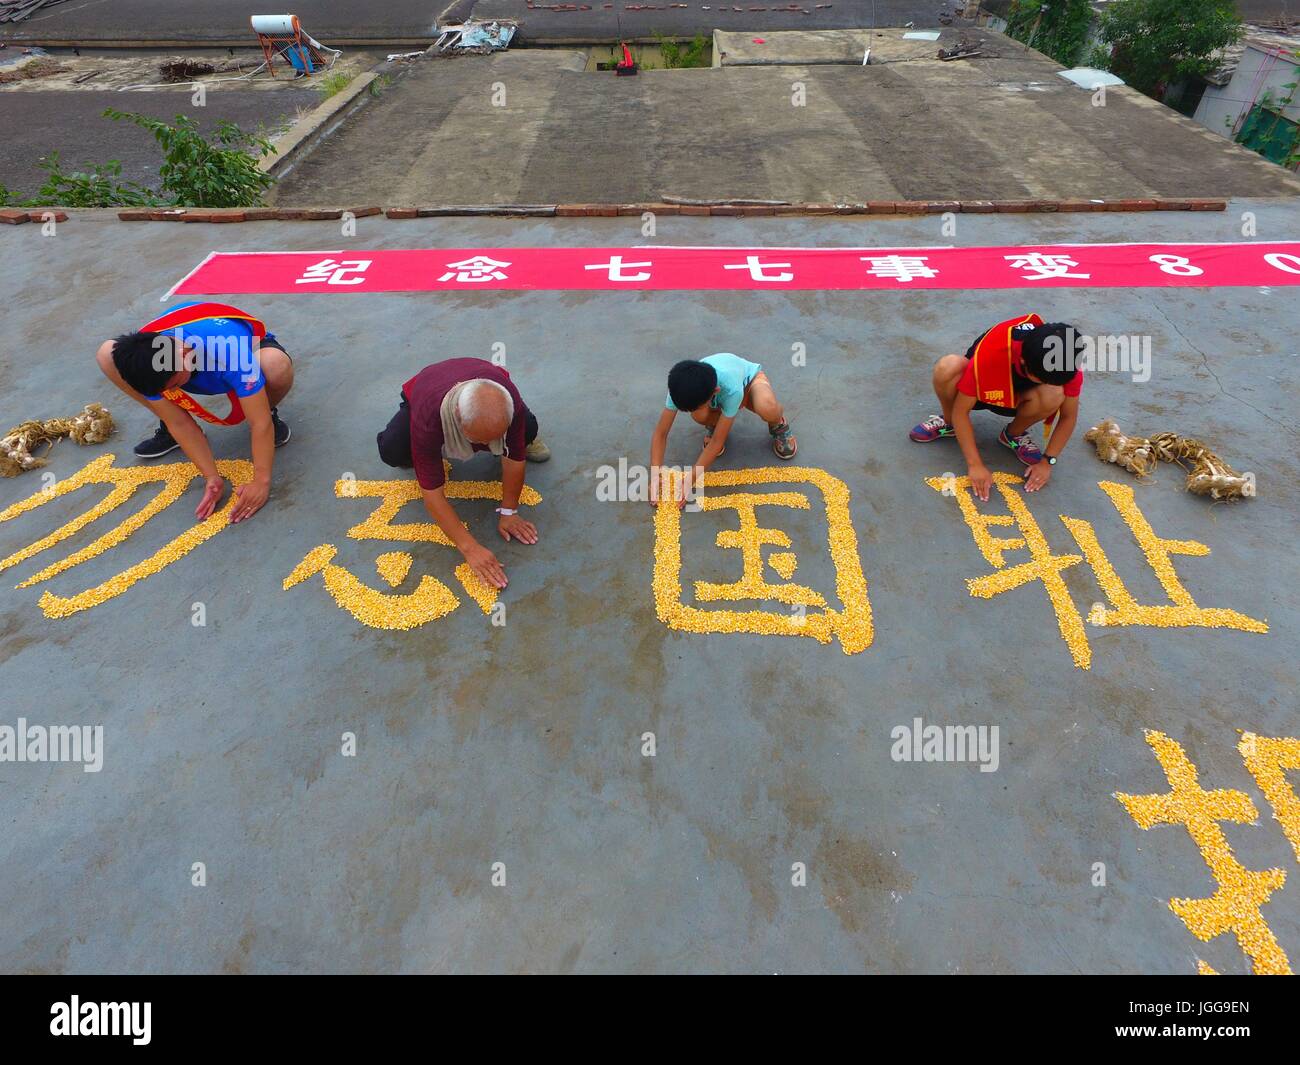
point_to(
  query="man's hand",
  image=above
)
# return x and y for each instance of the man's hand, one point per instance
(509, 525)
(980, 481)
(213, 489)
(1038, 476)
(249, 499)
(485, 565)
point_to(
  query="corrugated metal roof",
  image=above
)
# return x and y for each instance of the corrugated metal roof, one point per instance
(1258, 37)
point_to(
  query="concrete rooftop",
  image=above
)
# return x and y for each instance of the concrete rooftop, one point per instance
(521, 744)
(1003, 126)
(333, 21)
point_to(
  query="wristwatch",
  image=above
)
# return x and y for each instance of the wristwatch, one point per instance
(506, 512)
(1051, 459)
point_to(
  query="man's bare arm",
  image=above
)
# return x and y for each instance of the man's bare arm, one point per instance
(482, 561)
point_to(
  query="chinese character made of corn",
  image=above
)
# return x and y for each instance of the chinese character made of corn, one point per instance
(174, 478)
(1181, 612)
(1240, 893)
(851, 624)
(430, 599)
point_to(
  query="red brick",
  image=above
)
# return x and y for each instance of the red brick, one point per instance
(365, 212)
(259, 214)
(402, 212)
(819, 208)
(1207, 205)
(14, 217)
(749, 210)
(586, 210)
(942, 206)
(788, 209)
(323, 214)
(694, 209)
(1009, 206)
(1075, 206)
(39, 214)
(909, 207)
(134, 214)
(215, 214)
(167, 214)
(977, 207)
(725, 209)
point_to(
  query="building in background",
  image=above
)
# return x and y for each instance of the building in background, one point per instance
(1254, 96)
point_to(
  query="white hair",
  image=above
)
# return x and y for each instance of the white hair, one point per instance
(470, 402)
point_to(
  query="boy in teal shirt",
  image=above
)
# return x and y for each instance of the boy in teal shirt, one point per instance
(713, 390)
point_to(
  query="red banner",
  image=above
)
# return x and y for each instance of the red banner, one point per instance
(684, 268)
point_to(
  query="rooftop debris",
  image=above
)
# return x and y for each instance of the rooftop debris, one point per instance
(475, 37)
(17, 10)
(41, 67)
(185, 69)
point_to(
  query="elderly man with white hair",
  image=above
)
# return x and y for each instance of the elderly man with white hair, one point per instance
(453, 409)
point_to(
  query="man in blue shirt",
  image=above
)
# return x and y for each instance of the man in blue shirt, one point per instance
(206, 349)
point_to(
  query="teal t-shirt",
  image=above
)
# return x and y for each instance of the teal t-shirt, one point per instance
(734, 376)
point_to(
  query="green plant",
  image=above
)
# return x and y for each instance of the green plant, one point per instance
(678, 56)
(198, 172)
(380, 83)
(332, 84)
(1157, 42)
(1058, 28)
(99, 186)
(1098, 58)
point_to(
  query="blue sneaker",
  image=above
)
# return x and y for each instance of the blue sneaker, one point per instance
(1026, 450)
(933, 428)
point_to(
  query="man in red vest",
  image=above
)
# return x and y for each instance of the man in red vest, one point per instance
(200, 350)
(1022, 369)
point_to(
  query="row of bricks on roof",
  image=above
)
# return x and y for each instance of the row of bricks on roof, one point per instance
(598, 210)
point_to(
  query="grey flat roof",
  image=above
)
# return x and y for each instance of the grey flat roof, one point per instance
(521, 744)
(1002, 126)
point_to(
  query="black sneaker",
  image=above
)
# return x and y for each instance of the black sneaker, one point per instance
(282, 430)
(157, 445)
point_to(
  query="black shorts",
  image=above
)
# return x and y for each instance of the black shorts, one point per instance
(1005, 412)
(269, 341)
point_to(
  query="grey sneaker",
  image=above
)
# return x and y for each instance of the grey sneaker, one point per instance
(783, 441)
(537, 451)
